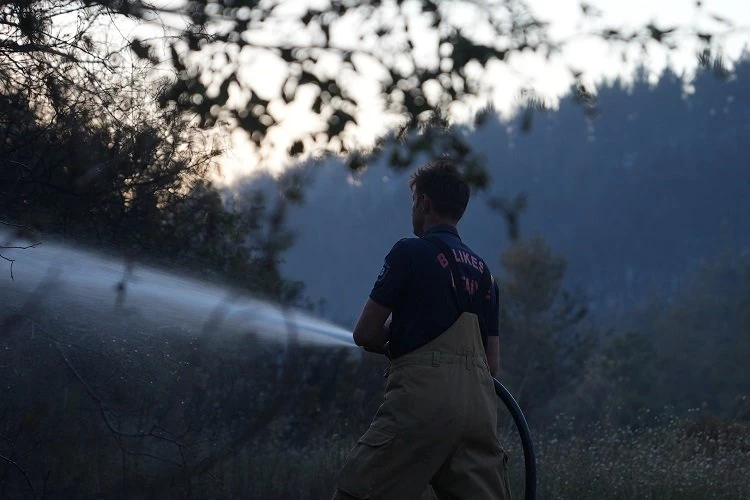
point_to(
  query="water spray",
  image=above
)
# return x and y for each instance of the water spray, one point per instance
(75, 275)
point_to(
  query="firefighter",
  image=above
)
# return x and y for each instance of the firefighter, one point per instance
(433, 310)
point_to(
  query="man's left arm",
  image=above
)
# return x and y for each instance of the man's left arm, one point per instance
(493, 331)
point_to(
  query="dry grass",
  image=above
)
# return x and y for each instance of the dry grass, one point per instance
(56, 430)
(692, 457)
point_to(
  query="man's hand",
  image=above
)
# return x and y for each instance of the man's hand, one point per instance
(372, 330)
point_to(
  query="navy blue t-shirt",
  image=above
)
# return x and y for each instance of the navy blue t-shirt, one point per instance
(417, 285)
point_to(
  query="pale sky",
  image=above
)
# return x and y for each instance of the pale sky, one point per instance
(596, 60)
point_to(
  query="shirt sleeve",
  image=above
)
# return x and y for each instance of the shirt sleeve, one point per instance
(493, 325)
(393, 277)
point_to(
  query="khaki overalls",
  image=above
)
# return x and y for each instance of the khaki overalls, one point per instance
(437, 425)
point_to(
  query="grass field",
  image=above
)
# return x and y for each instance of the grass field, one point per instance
(693, 457)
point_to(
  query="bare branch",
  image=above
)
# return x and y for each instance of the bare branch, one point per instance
(13, 224)
(23, 473)
(21, 247)
(15, 247)
(29, 48)
(107, 413)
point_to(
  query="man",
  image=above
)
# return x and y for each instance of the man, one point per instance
(433, 310)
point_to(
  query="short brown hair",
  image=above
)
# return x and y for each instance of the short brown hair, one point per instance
(445, 185)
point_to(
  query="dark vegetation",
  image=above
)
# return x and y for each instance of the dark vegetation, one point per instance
(97, 405)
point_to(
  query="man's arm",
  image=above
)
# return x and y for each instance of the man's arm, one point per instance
(493, 333)
(371, 331)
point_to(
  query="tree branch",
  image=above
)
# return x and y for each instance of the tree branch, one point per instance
(23, 473)
(107, 413)
(30, 48)
(12, 261)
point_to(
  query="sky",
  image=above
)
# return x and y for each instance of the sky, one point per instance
(550, 80)
(595, 59)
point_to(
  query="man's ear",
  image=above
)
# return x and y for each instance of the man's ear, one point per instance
(425, 205)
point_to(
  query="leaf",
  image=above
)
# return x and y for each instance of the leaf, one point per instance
(297, 148)
(289, 90)
(307, 77)
(721, 19)
(476, 176)
(309, 16)
(658, 34)
(177, 63)
(286, 54)
(223, 96)
(338, 121)
(429, 6)
(356, 162)
(140, 49)
(317, 105)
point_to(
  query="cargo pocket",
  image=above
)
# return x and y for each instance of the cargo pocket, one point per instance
(367, 465)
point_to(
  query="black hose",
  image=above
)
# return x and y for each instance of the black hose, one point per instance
(525, 434)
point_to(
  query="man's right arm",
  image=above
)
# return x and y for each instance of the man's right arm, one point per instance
(372, 329)
(384, 296)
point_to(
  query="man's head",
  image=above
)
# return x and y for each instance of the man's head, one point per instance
(439, 195)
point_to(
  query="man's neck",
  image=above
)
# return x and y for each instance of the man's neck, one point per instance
(439, 222)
